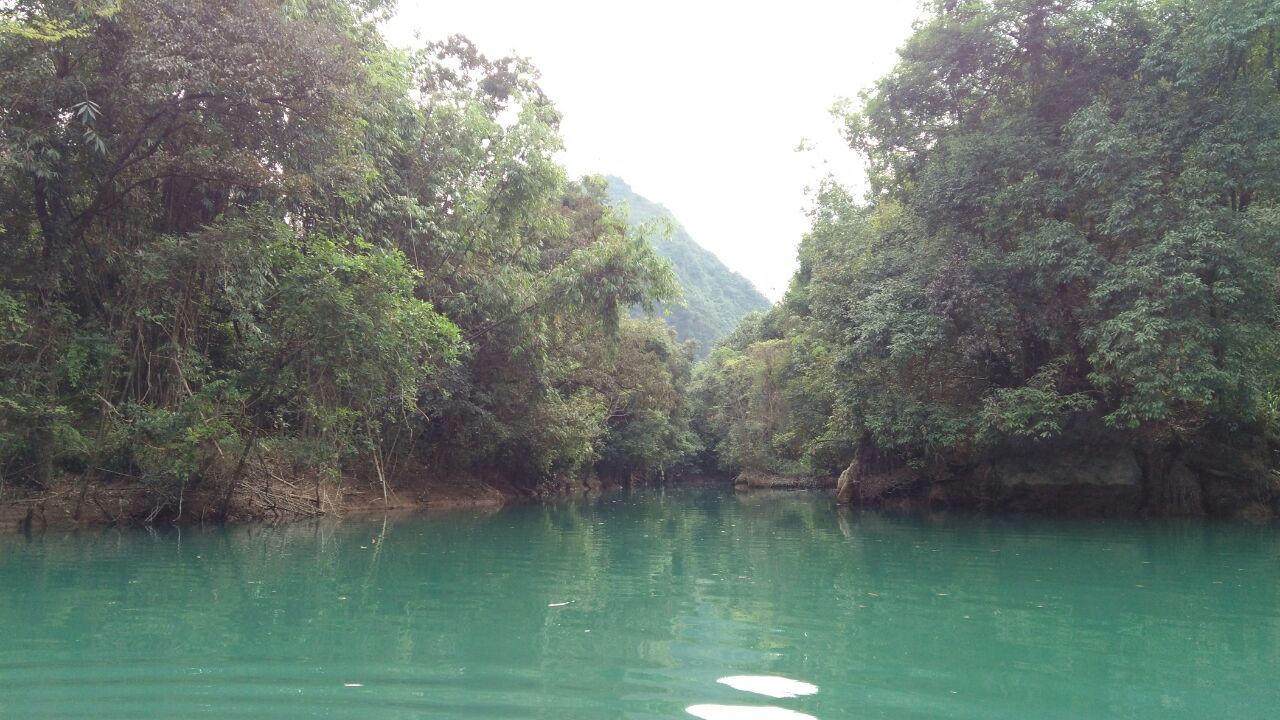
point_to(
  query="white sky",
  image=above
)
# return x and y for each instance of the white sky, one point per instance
(698, 105)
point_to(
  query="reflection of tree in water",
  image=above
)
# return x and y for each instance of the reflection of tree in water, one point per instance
(667, 592)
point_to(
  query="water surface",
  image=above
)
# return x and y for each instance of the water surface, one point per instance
(636, 606)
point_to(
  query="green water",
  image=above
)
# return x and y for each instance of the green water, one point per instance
(453, 616)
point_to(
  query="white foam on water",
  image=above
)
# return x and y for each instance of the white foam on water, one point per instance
(744, 712)
(770, 685)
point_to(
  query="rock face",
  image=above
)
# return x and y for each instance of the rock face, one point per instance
(1237, 476)
(757, 480)
(1085, 473)
(1094, 480)
(1178, 494)
(1112, 466)
(861, 485)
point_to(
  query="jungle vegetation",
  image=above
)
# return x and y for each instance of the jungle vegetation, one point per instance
(250, 234)
(251, 237)
(1072, 220)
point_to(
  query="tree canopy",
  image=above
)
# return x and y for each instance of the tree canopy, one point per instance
(245, 233)
(1072, 220)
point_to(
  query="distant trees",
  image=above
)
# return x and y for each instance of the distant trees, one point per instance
(250, 231)
(1073, 215)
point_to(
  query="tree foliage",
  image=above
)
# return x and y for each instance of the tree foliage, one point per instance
(1072, 218)
(249, 230)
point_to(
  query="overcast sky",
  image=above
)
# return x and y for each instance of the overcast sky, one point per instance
(698, 105)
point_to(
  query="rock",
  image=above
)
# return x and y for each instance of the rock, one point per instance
(1177, 493)
(1087, 471)
(846, 490)
(753, 480)
(1112, 466)
(1236, 474)
(876, 477)
(1069, 480)
(875, 487)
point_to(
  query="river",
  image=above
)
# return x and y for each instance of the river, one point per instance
(658, 604)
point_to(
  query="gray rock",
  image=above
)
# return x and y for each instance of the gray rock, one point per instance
(1108, 466)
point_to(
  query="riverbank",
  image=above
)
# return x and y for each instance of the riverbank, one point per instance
(1081, 475)
(751, 480)
(67, 505)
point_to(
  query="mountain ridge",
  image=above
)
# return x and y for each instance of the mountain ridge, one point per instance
(716, 297)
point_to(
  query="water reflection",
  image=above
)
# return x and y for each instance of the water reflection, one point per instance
(743, 712)
(771, 686)
(634, 606)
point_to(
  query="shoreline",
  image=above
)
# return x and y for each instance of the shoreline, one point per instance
(135, 505)
(109, 505)
(139, 505)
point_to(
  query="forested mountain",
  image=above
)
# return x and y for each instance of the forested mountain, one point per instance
(1062, 282)
(244, 239)
(715, 297)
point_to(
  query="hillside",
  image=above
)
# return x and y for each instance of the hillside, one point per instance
(715, 296)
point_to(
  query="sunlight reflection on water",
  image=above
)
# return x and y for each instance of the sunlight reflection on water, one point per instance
(772, 686)
(744, 712)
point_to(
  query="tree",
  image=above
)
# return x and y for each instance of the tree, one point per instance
(1071, 221)
(251, 235)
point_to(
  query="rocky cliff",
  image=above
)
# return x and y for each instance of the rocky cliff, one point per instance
(1087, 471)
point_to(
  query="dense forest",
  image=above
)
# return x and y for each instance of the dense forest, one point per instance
(250, 240)
(713, 298)
(1060, 289)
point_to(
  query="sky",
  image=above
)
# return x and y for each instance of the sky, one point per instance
(700, 106)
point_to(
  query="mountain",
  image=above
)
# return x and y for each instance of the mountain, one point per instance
(715, 297)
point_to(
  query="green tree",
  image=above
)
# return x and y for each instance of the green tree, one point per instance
(1071, 222)
(251, 235)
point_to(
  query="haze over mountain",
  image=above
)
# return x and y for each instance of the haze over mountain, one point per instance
(715, 297)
